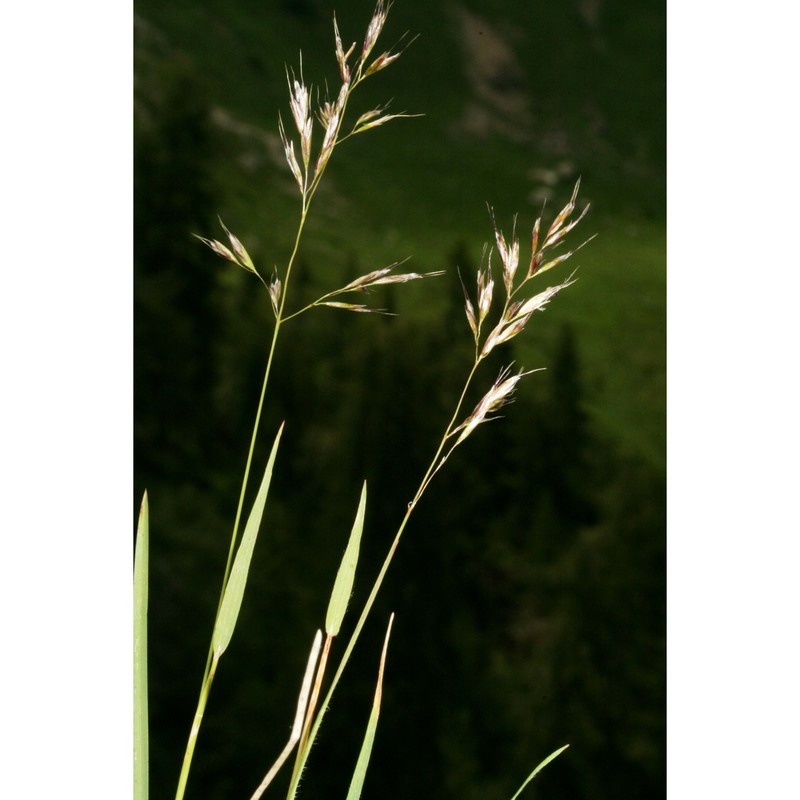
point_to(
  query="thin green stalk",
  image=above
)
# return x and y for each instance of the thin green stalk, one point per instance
(198, 719)
(141, 740)
(432, 468)
(256, 425)
(211, 659)
(257, 422)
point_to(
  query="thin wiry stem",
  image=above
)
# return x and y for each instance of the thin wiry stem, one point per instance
(198, 719)
(212, 658)
(512, 321)
(303, 752)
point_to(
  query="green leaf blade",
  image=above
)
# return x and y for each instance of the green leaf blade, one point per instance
(360, 771)
(140, 707)
(234, 590)
(539, 769)
(345, 577)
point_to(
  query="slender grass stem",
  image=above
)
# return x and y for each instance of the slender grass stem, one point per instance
(257, 422)
(211, 659)
(198, 720)
(304, 750)
(434, 466)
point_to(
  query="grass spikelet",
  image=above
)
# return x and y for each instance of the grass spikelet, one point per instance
(470, 311)
(299, 101)
(275, 293)
(358, 307)
(291, 158)
(499, 395)
(220, 249)
(374, 30)
(485, 293)
(242, 256)
(341, 56)
(374, 123)
(508, 252)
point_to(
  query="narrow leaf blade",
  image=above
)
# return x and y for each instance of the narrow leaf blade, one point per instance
(539, 769)
(234, 590)
(360, 772)
(140, 709)
(343, 586)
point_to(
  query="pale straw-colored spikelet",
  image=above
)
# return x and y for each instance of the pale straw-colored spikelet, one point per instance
(371, 119)
(380, 277)
(508, 252)
(331, 113)
(364, 281)
(360, 307)
(485, 292)
(242, 256)
(288, 147)
(325, 113)
(516, 311)
(517, 315)
(341, 56)
(500, 394)
(534, 246)
(299, 100)
(381, 62)
(374, 29)
(366, 117)
(563, 214)
(236, 254)
(555, 234)
(470, 310)
(334, 117)
(405, 277)
(219, 248)
(540, 300)
(275, 292)
(558, 230)
(505, 331)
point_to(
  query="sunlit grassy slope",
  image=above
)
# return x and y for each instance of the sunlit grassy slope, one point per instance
(519, 99)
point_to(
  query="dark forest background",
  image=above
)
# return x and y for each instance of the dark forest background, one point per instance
(530, 587)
